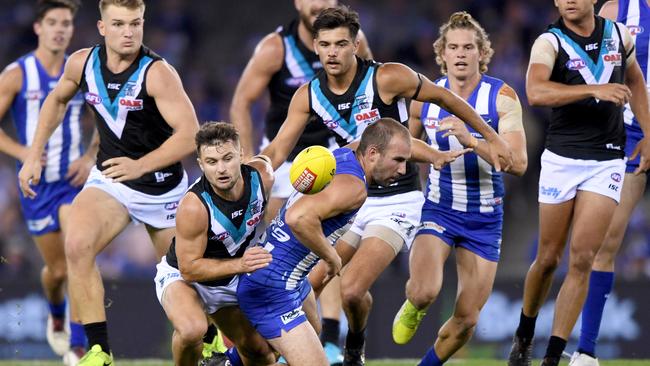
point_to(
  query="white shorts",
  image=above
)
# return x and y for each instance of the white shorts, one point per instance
(282, 187)
(212, 298)
(156, 211)
(400, 213)
(561, 178)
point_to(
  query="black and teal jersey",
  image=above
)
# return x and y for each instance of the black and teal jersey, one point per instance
(299, 67)
(589, 129)
(232, 223)
(348, 114)
(128, 120)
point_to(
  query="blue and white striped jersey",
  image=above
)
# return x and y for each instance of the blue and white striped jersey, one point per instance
(64, 145)
(292, 261)
(635, 14)
(469, 184)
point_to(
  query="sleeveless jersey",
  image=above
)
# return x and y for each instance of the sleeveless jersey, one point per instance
(348, 115)
(128, 120)
(232, 223)
(64, 146)
(299, 66)
(589, 129)
(292, 261)
(635, 14)
(468, 184)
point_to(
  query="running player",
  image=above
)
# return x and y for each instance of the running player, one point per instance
(634, 14)
(282, 62)
(348, 95)
(146, 125)
(215, 222)
(23, 86)
(583, 66)
(469, 216)
(278, 299)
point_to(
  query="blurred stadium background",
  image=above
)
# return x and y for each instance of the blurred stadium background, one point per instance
(209, 42)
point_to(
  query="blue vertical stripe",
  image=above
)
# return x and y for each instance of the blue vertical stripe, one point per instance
(472, 178)
(67, 141)
(19, 106)
(446, 191)
(623, 5)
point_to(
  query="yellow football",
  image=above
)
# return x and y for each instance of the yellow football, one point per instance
(312, 169)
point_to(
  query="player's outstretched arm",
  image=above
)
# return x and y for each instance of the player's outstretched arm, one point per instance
(49, 118)
(399, 81)
(191, 240)
(266, 60)
(164, 85)
(292, 127)
(345, 193)
(10, 85)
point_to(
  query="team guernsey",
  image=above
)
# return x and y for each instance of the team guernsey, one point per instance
(463, 204)
(272, 297)
(347, 115)
(128, 120)
(589, 129)
(232, 223)
(635, 14)
(62, 148)
(299, 67)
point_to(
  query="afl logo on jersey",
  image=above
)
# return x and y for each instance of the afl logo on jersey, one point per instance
(576, 64)
(33, 94)
(297, 81)
(635, 29)
(93, 98)
(131, 104)
(616, 177)
(431, 122)
(331, 124)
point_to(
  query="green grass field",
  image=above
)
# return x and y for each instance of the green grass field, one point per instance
(369, 363)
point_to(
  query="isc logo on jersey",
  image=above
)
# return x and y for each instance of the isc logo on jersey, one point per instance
(131, 104)
(367, 117)
(576, 64)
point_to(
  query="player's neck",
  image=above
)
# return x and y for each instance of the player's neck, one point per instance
(117, 63)
(464, 87)
(305, 36)
(51, 61)
(233, 194)
(583, 27)
(362, 162)
(339, 84)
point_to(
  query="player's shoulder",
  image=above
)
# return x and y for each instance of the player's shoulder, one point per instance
(270, 47)
(609, 10)
(191, 206)
(12, 73)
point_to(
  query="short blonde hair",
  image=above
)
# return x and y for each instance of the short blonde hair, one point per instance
(129, 4)
(463, 20)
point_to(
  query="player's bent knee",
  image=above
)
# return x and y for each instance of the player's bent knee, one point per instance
(256, 349)
(548, 263)
(422, 297)
(581, 262)
(57, 272)
(78, 249)
(191, 332)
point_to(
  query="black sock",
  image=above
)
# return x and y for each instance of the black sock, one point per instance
(526, 328)
(97, 333)
(330, 331)
(210, 334)
(555, 347)
(355, 340)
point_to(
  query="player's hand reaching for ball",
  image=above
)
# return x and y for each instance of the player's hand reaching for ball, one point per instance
(254, 258)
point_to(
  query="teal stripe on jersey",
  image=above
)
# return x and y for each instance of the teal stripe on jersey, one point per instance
(304, 65)
(350, 128)
(595, 68)
(236, 234)
(114, 106)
